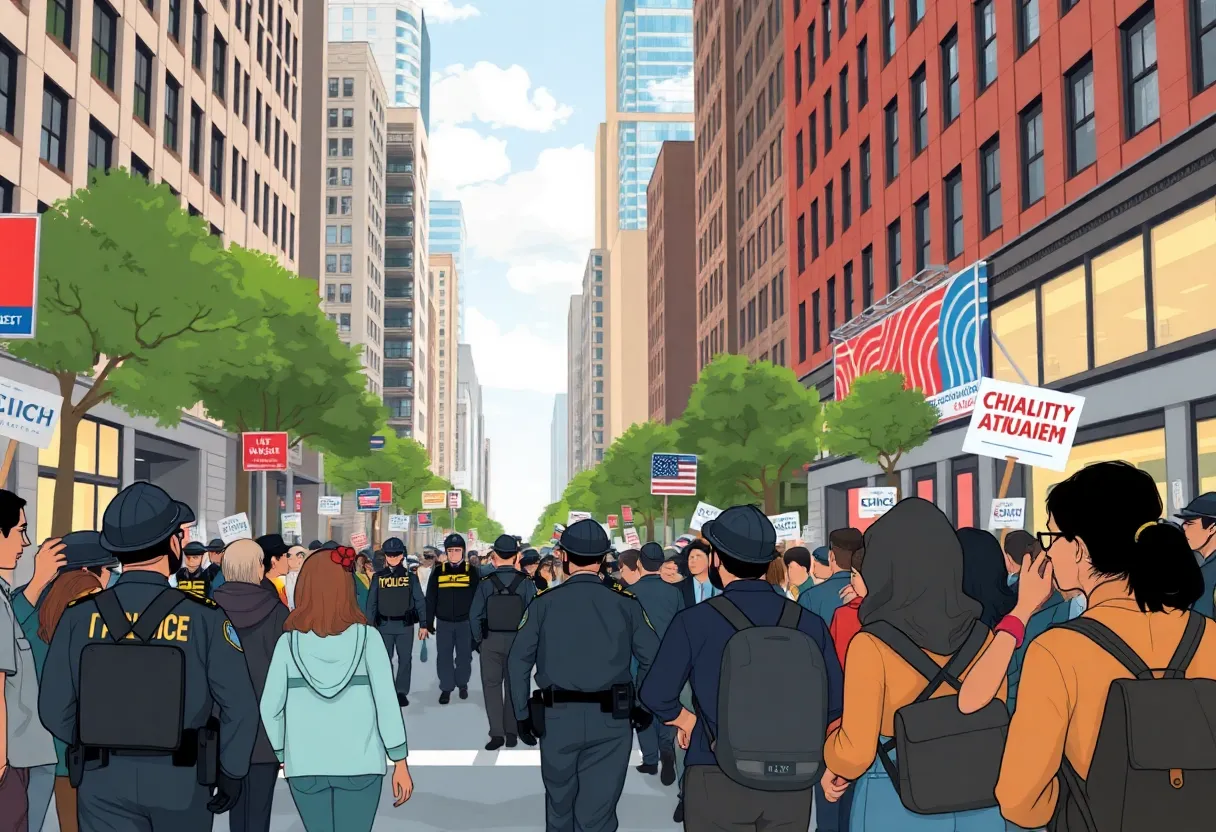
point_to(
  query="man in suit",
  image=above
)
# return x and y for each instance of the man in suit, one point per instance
(697, 555)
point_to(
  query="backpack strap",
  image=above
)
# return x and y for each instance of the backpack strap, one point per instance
(791, 614)
(1072, 792)
(112, 615)
(498, 584)
(150, 619)
(727, 609)
(515, 582)
(1105, 637)
(1191, 636)
(907, 650)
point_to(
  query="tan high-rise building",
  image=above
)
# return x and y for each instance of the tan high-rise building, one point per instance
(589, 404)
(179, 93)
(353, 286)
(446, 281)
(407, 294)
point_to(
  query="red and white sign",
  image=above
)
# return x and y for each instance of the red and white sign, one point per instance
(1034, 425)
(454, 500)
(358, 540)
(631, 538)
(264, 451)
(626, 514)
(386, 491)
(19, 275)
(612, 521)
(299, 502)
(424, 518)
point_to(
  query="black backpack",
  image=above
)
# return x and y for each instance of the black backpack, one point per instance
(1154, 764)
(132, 692)
(946, 761)
(768, 673)
(504, 609)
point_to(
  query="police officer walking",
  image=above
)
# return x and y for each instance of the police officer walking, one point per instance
(394, 605)
(1199, 525)
(132, 679)
(580, 637)
(192, 577)
(448, 599)
(498, 607)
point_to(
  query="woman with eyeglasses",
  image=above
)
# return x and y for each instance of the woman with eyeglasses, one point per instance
(1104, 537)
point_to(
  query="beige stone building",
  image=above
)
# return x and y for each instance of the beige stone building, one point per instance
(446, 282)
(353, 285)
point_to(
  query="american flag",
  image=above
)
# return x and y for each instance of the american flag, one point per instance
(673, 474)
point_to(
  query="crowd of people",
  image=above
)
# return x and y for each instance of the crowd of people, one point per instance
(912, 677)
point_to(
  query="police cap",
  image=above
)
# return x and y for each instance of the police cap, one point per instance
(139, 517)
(506, 545)
(652, 556)
(330, 544)
(393, 547)
(530, 557)
(453, 541)
(821, 554)
(84, 549)
(1202, 506)
(273, 545)
(216, 545)
(586, 539)
(314, 545)
(194, 549)
(187, 516)
(743, 533)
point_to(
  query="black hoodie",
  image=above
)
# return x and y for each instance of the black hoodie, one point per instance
(258, 616)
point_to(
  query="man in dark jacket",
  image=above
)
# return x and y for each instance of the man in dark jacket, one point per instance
(448, 599)
(258, 616)
(274, 562)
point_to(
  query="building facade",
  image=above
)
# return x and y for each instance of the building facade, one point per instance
(671, 281)
(397, 33)
(577, 388)
(1091, 196)
(589, 362)
(470, 427)
(353, 288)
(559, 462)
(447, 235)
(407, 294)
(445, 277)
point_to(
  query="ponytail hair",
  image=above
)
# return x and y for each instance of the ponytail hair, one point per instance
(1115, 509)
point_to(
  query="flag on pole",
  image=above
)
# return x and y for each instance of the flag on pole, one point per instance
(673, 474)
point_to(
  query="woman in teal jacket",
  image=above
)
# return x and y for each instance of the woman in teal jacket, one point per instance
(329, 705)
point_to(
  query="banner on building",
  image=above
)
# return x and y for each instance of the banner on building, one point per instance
(235, 527)
(1030, 425)
(19, 240)
(875, 502)
(329, 505)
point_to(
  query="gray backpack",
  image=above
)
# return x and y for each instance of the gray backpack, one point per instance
(946, 760)
(766, 674)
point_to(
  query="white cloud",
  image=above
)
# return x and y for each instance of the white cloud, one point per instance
(445, 11)
(518, 425)
(535, 277)
(673, 95)
(515, 359)
(461, 156)
(494, 95)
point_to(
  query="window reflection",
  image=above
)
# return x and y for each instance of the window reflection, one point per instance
(86, 447)
(1205, 447)
(1119, 317)
(1065, 343)
(1184, 285)
(1015, 325)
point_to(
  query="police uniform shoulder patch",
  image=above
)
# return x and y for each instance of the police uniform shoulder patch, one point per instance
(230, 635)
(523, 621)
(201, 599)
(83, 598)
(618, 588)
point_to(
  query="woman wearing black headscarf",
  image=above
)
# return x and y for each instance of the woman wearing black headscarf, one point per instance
(913, 571)
(985, 576)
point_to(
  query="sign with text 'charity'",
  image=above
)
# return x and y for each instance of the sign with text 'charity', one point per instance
(235, 527)
(28, 414)
(1032, 425)
(264, 451)
(875, 502)
(19, 275)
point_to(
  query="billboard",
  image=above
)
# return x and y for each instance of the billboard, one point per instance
(939, 340)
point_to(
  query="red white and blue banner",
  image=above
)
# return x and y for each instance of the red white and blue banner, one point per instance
(673, 474)
(19, 275)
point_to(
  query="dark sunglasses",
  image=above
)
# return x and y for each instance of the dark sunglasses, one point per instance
(1046, 539)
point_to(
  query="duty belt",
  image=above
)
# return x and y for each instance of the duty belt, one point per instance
(185, 756)
(406, 617)
(556, 696)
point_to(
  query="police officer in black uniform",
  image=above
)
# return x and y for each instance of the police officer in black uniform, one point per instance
(498, 606)
(580, 637)
(192, 577)
(394, 605)
(123, 704)
(449, 596)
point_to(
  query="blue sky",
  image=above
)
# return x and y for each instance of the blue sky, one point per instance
(517, 93)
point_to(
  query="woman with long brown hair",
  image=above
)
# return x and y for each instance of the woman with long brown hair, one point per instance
(329, 705)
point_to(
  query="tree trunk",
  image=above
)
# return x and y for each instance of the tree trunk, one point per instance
(772, 495)
(650, 527)
(242, 493)
(893, 482)
(65, 475)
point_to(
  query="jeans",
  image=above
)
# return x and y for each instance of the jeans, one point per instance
(252, 810)
(38, 794)
(337, 804)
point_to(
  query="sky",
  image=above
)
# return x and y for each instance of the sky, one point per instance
(517, 91)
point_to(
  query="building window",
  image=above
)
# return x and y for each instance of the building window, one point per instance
(848, 291)
(814, 229)
(333, 88)
(863, 74)
(801, 243)
(1203, 13)
(846, 196)
(142, 105)
(920, 112)
(1119, 298)
(921, 229)
(951, 86)
(810, 54)
(8, 88)
(105, 24)
(217, 162)
(891, 119)
(348, 87)
(348, 117)
(54, 126)
(172, 112)
(1015, 324)
(990, 184)
(140, 167)
(888, 32)
(799, 161)
(864, 173)
(95, 481)
(1082, 136)
(985, 43)
(827, 29)
(196, 139)
(59, 21)
(797, 74)
(1032, 155)
(173, 19)
(954, 214)
(1183, 250)
(1028, 24)
(816, 324)
(1065, 328)
(812, 140)
(197, 36)
(829, 214)
(219, 66)
(802, 331)
(895, 256)
(867, 277)
(831, 292)
(844, 99)
(827, 122)
(101, 145)
(1140, 57)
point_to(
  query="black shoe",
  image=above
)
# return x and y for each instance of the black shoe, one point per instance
(494, 744)
(464, 693)
(678, 815)
(528, 739)
(512, 740)
(667, 764)
(649, 768)
(403, 700)
(445, 697)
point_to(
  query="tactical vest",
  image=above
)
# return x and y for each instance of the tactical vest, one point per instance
(199, 585)
(394, 595)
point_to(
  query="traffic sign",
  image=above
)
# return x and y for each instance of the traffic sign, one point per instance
(19, 275)
(376, 443)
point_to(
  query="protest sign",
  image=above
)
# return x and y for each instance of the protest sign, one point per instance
(235, 527)
(434, 500)
(358, 540)
(454, 501)
(612, 521)
(631, 537)
(1008, 513)
(787, 525)
(627, 514)
(703, 514)
(875, 502)
(575, 516)
(398, 522)
(28, 414)
(1030, 425)
(424, 518)
(264, 451)
(367, 499)
(329, 505)
(291, 523)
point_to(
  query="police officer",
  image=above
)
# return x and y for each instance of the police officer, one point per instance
(129, 780)
(580, 637)
(394, 605)
(1199, 525)
(448, 599)
(498, 606)
(528, 562)
(661, 601)
(193, 577)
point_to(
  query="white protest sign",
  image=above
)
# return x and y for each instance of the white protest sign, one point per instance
(704, 513)
(1008, 513)
(358, 540)
(631, 537)
(329, 505)
(575, 516)
(1033, 425)
(28, 414)
(875, 502)
(291, 523)
(398, 522)
(787, 525)
(235, 527)
(471, 538)
(198, 532)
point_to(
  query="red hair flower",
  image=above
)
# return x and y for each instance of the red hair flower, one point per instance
(344, 556)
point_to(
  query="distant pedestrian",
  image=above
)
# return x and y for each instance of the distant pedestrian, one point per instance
(1199, 524)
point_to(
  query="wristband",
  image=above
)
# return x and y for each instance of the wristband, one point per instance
(1013, 625)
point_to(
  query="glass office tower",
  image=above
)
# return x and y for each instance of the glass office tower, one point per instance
(447, 235)
(397, 32)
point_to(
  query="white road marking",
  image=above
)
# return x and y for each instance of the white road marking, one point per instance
(448, 758)
(518, 757)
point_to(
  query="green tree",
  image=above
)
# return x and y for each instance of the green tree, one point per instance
(297, 376)
(879, 421)
(623, 478)
(752, 426)
(137, 297)
(403, 462)
(554, 513)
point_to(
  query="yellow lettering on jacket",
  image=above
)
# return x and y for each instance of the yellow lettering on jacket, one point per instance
(391, 583)
(173, 628)
(453, 580)
(198, 588)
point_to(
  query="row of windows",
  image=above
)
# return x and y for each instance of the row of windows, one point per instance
(768, 304)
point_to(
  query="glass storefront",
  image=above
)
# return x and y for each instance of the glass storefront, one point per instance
(1184, 288)
(1016, 325)
(96, 478)
(1205, 448)
(1065, 350)
(1119, 317)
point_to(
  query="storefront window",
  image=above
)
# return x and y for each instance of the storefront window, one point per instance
(1120, 322)
(1205, 447)
(1065, 341)
(1015, 324)
(925, 490)
(855, 519)
(1184, 288)
(965, 471)
(96, 477)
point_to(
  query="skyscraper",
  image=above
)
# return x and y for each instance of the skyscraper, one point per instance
(559, 464)
(397, 32)
(445, 280)
(446, 235)
(470, 428)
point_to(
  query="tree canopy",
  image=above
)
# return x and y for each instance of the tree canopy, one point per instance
(623, 478)
(403, 462)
